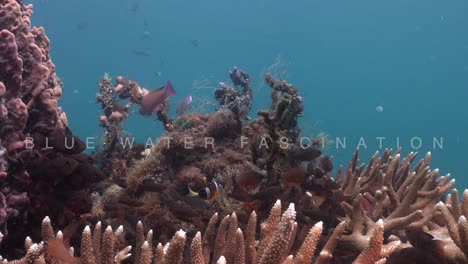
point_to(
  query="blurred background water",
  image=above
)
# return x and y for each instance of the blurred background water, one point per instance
(346, 57)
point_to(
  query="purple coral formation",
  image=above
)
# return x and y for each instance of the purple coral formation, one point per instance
(42, 169)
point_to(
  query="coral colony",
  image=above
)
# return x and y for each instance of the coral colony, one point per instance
(207, 203)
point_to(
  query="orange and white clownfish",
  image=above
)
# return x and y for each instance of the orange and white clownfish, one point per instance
(209, 192)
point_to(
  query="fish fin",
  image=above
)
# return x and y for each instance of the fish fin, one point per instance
(158, 108)
(170, 89)
(251, 206)
(160, 88)
(220, 188)
(190, 108)
(191, 192)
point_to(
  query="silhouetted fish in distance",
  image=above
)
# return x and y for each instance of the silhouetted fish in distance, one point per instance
(152, 102)
(82, 25)
(134, 7)
(141, 53)
(195, 43)
(146, 34)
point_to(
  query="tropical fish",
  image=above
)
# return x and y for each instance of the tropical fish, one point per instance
(195, 43)
(209, 192)
(294, 176)
(152, 102)
(304, 154)
(313, 170)
(134, 7)
(248, 178)
(196, 203)
(251, 205)
(82, 25)
(146, 34)
(143, 53)
(425, 249)
(326, 163)
(184, 105)
(267, 193)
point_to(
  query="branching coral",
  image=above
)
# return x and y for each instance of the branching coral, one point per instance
(281, 119)
(451, 227)
(234, 99)
(388, 188)
(228, 245)
(117, 152)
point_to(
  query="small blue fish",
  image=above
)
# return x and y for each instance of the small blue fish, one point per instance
(153, 101)
(184, 105)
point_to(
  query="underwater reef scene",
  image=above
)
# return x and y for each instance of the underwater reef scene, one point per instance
(219, 187)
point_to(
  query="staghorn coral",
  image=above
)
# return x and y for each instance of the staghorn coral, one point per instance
(449, 227)
(231, 244)
(389, 189)
(109, 247)
(281, 239)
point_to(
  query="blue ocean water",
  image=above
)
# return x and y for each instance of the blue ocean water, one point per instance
(347, 58)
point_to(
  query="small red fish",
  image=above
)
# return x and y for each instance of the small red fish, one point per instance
(366, 204)
(251, 205)
(294, 176)
(248, 178)
(152, 102)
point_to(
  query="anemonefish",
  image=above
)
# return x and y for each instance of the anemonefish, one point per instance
(209, 192)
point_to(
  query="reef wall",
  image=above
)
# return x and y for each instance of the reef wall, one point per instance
(42, 168)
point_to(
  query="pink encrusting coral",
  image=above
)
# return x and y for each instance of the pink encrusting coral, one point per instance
(33, 178)
(28, 80)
